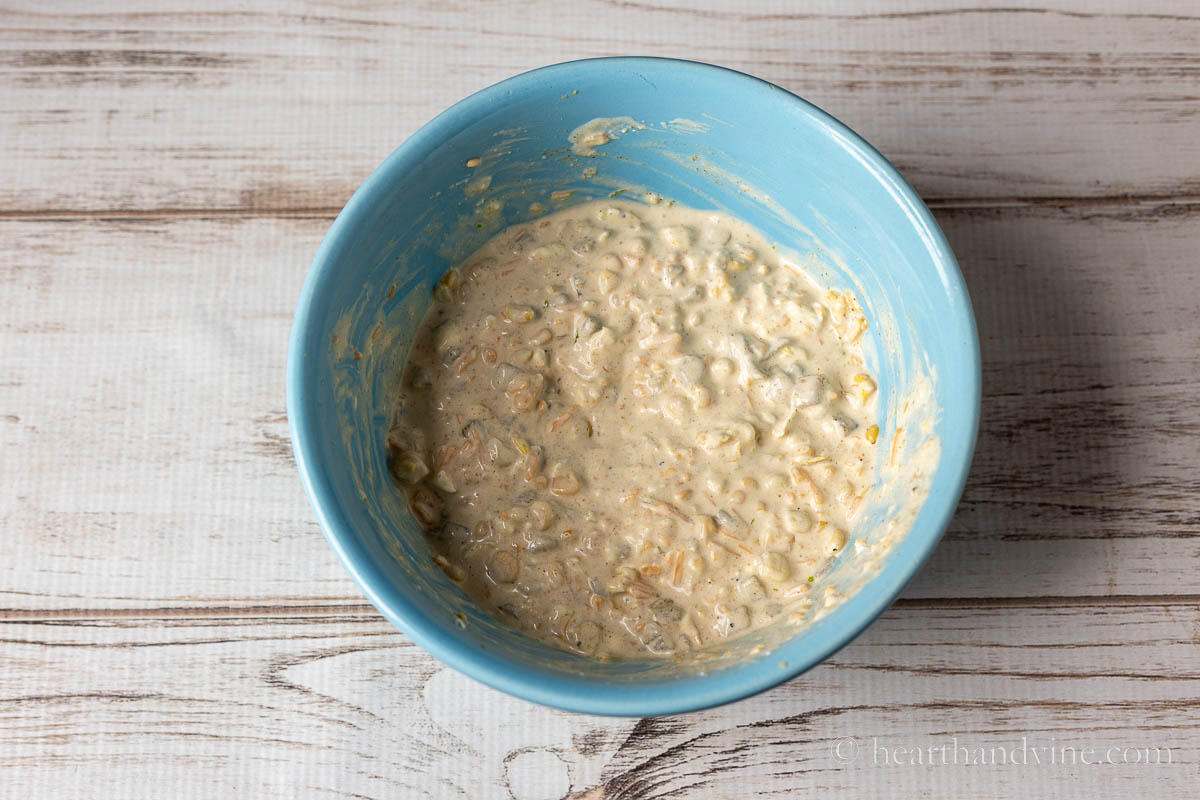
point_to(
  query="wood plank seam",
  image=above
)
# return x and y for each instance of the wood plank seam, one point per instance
(358, 611)
(329, 212)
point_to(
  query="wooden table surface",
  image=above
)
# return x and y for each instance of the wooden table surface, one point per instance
(172, 623)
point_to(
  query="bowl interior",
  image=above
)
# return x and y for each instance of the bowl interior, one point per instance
(712, 138)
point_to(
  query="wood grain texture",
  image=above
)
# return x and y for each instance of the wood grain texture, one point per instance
(147, 433)
(343, 706)
(172, 623)
(281, 105)
(178, 487)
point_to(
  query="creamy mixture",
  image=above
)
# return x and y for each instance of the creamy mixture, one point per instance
(635, 429)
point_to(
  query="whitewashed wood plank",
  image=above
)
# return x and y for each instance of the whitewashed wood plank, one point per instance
(145, 447)
(141, 707)
(145, 436)
(150, 105)
(1085, 468)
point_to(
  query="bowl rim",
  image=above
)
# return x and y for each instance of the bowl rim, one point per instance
(578, 693)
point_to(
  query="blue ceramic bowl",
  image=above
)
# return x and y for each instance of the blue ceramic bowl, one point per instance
(713, 138)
